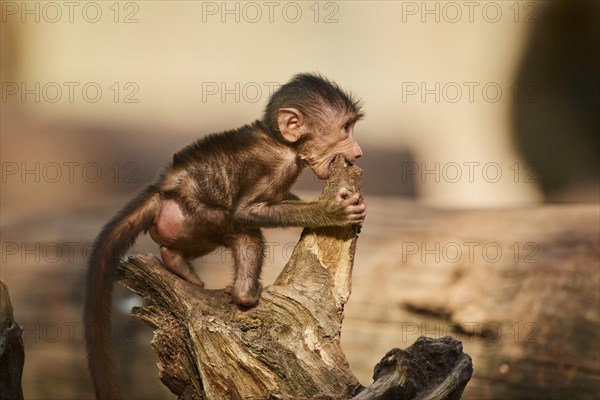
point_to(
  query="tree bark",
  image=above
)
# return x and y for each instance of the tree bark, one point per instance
(288, 346)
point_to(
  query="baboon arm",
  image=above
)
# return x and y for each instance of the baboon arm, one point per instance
(287, 213)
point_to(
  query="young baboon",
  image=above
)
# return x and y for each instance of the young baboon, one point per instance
(220, 191)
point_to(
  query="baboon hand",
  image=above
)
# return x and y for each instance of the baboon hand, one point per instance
(348, 208)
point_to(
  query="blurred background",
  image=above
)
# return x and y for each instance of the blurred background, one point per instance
(470, 106)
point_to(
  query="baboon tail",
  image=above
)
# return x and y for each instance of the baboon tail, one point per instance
(117, 236)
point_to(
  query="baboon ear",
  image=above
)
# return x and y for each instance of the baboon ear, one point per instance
(290, 122)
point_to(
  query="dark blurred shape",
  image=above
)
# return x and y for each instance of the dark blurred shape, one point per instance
(12, 355)
(556, 116)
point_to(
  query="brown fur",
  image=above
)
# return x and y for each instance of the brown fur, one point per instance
(219, 191)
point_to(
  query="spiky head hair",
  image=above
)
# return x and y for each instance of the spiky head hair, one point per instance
(316, 97)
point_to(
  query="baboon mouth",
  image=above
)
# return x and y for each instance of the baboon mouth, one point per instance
(322, 171)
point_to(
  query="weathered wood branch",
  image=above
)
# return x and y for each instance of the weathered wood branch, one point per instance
(430, 369)
(288, 346)
(12, 355)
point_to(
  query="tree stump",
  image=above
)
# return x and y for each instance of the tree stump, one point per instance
(288, 346)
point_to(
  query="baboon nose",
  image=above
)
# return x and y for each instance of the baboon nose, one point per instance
(354, 154)
(357, 152)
